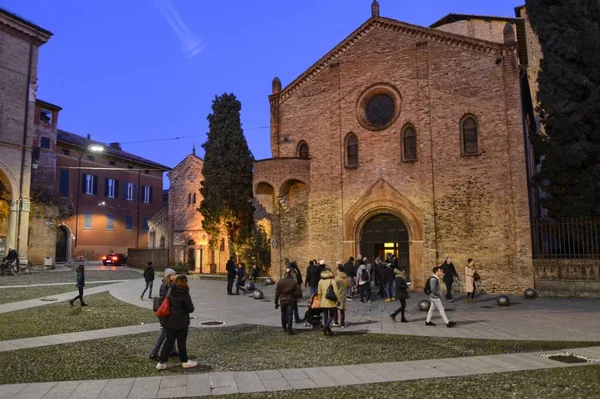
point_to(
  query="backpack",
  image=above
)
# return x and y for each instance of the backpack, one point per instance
(364, 275)
(427, 288)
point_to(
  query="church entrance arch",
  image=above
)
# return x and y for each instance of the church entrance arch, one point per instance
(384, 234)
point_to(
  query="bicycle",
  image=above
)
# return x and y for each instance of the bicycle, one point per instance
(11, 267)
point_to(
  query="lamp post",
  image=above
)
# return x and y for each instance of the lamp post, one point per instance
(92, 148)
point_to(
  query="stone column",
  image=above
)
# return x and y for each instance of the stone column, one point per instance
(197, 260)
(11, 234)
(24, 231)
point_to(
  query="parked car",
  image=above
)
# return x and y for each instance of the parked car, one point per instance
(114, 259)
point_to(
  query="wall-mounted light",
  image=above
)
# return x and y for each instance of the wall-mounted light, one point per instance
(96, 148)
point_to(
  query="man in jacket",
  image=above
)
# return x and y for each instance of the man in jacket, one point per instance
(231, 273)
(435, 298)
(80, 284)
(287, 293)
(449, 274)
(349, 270)
(313, 275)
(149, 277)
(363, 278)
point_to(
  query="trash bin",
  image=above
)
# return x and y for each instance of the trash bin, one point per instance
(213, 268)
(48, 263)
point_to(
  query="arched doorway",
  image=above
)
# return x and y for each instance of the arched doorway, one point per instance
(190, 254)
(63, 241)
(383, 234)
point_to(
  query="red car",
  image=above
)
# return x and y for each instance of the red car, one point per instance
(114, 260)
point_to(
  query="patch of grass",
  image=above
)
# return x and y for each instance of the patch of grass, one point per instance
(575, 382)
(242, 348)
(8, 295)
(104, 311)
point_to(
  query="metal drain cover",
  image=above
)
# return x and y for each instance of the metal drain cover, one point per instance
(568, 357)
(212, 323)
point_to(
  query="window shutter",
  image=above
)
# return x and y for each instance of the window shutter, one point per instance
(106, 186)
(116, 189)
(125, 190)
(95, 185)
(150, 189)
(83, 181)
(64, 183)
(134, 191)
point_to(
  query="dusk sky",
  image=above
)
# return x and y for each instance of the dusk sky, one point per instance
(140, 71)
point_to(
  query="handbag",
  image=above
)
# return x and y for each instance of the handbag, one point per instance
(165, 307)
(476, 276)
(330, 293)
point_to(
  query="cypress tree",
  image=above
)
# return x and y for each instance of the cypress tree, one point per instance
(227, 185)
(569, 105)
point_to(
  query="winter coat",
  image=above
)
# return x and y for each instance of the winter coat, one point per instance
(387, 275)
(287, 291)
(181, 307)
(297, 275)
(401, 287)
(80, 277)
(326, 281)
(349, 269)
(469, 273)
(449, 272)
(343, 283)
(359, 274)
(149, 274)
(230, 267)
(313, 275)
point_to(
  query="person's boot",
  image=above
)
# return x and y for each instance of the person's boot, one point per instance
(83, 304)
(329, 332)
(71, 302)
(393, 316)
(403, 319)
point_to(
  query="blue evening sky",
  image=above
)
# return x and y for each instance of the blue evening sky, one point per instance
(143, 70)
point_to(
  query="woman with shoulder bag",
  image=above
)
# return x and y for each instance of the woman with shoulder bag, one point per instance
(328, 295)
(167, 280)
(177, 323)
(470, 274)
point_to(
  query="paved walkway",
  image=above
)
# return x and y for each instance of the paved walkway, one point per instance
(218, 383)
(546, 319)
(55, 284)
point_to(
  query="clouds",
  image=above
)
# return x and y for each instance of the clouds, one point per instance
(190, 43)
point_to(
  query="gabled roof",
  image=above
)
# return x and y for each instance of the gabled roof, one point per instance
(183, 162)
(448, 19)
(434, 35)
(81, 142)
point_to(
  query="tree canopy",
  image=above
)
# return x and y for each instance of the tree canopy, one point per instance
(569, 105)
(227, 171)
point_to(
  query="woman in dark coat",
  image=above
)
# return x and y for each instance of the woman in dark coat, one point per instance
(80, 284)
(167, 280)
(401, 294)
(177, 323)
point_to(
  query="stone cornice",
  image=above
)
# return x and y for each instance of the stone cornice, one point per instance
(433, 35)
(20, 27)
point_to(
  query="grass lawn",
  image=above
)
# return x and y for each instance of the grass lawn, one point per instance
(8, 295)
(575, 382)
(241, 348)
(47, 276)
(104, 311)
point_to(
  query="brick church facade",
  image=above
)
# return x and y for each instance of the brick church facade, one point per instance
(409, 140)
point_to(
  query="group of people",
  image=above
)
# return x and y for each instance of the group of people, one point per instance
(239, 271)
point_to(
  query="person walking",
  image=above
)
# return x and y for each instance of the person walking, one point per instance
(241, 279)
(287, 293)
(231, 273)
(363, 283)
(297, 276)
(149, 277)
(449, 275)
(401, 294)
(349, 270)
(168, 278)
(435, 298)
(343, 283)
(80, 284)
(470, 280)
(177, 323)
(328, 303)
(313, 275)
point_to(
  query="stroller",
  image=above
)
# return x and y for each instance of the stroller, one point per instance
(312, 317)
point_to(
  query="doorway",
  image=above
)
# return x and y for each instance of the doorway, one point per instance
(386, 234)
(190, 255)
(62, 243)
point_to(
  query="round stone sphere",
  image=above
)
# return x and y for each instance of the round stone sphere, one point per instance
(250, 286)
(424, 305)
(258, 294)
(530, 293)
(503, 300)
(269, 281)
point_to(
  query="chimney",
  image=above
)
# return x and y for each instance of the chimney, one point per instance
(375, 9)
(116, 146)
(89, 136)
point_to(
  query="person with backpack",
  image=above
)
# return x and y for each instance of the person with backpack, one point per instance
(363, 282)
(433, 289)
(401, 294)
(149, 277)
(342, 284)
(328, 299)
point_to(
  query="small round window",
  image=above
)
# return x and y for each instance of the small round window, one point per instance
(378, 107)
(380, 110)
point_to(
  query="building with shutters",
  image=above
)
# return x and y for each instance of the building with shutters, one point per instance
(408, 140)
(113, 195)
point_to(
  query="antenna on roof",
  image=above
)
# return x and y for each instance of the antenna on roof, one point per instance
(194, 149)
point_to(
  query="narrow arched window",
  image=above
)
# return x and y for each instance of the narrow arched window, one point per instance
(351, 151)
(469, 135)
(409, 144)
(303, 150)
